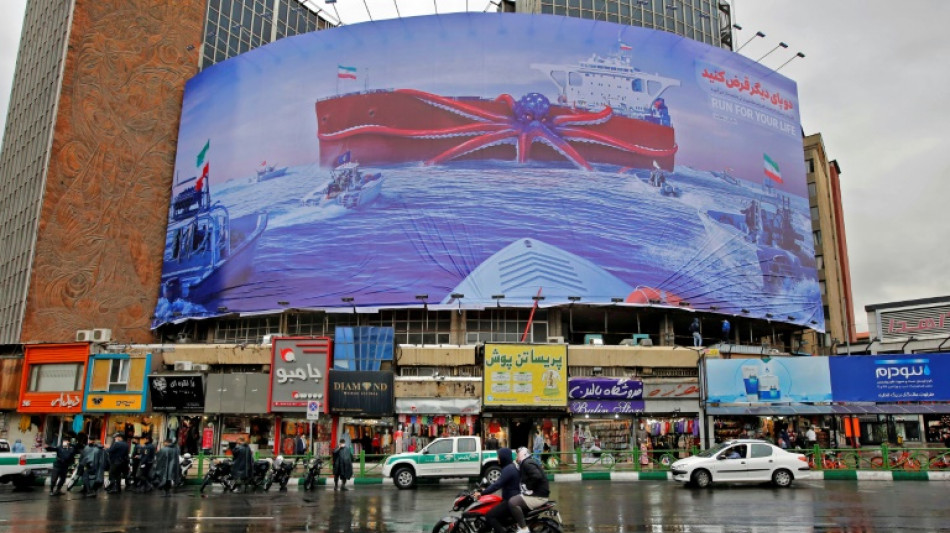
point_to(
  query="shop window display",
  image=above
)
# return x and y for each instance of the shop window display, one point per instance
(594, 436)
(291, 429)
(256, 431)
(369, 437)
(415, 432)
(938, 429)
(185, 431)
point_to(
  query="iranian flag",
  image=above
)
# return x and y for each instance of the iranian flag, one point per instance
(346, 73)
(771, 169)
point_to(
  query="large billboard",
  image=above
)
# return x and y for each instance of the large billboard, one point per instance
(469, 156)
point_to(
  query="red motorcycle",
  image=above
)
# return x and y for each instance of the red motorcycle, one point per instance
(544, 519)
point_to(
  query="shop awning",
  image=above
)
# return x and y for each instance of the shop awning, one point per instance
(849, 409)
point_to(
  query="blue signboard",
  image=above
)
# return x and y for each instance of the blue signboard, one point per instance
(775, 380)
(891, 378)
(358, 167)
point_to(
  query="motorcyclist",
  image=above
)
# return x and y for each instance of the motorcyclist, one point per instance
(534, 488)
(510, 484)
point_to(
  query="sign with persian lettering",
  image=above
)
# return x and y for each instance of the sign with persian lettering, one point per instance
(606, 406)
(597, 388)
(177, 393)
(298, 373)
(891, 378)
(361, 393)
(525, 375)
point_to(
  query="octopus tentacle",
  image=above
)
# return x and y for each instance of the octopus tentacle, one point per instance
(471, 145)
(614, 143)
(563, 147)
(580, 119)
(451, 104)
(375, 129)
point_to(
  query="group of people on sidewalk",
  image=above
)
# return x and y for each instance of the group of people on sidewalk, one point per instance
(139, 465)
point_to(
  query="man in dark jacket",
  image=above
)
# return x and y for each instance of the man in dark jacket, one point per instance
(243, 464)
(167, 469)
(342, 464)
(65, 455)
(118, 463)
(146, 453)
(510, 484)
(93, 463)
(534, 488)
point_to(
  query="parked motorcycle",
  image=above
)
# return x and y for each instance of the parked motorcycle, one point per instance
(280, 473)
(471, 517)
(184, 462)
(313, 473)
(219, 472)
(260, 473)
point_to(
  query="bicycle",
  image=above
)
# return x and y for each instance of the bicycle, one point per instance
(940, 462)
(903, 460)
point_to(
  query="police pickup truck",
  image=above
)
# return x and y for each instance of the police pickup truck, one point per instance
(443, 458)
(23, 469)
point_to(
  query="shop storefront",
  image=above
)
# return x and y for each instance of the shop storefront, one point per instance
(420, 420)
(525, 397)
(671, 415)
(116, 389)
(236, 405)
(11, 372)
(604, 412)
(52, 386)
(298, 385)
(181, 399)
(362, 403)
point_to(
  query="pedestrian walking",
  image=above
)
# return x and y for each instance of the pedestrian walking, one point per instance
(93, 463)
(697, 336)
(18, 447)
(538, 445)
(342, 465)
(118, 463)
(65, 455)
(243, 464)
(167, 470)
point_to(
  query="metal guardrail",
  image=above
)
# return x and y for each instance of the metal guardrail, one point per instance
(580, 461)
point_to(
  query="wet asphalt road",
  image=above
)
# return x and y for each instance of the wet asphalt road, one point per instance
(593, 506)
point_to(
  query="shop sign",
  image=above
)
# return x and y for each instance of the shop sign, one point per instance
(298, 373)
(438, 406)
(606, 406)
(176, 393)
(51, 402)
(891, 378)
(583, 388)
(207, 438)
(525, 375)
(361, 393)
(768, 380)
(59, 383)
(131, 402)
(655, 391)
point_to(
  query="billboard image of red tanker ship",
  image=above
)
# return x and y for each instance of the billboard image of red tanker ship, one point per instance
(482, 155)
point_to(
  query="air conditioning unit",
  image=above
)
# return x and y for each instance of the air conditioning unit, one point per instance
(200, 367)
(182, 338)
(628, 342)
(646, 342)
(269, 338)
(101, 335)
(83, 335)
(555, 340)
(183, 366)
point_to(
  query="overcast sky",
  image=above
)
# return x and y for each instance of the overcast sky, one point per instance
(873, 83)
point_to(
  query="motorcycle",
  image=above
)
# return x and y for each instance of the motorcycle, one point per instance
(260, 473)
(219, 472)
(280, 473)
(544, 519)
(313, 473)
(184, 462)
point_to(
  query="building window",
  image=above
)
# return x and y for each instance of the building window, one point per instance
(823, 289)
(119, 375)
(815, 215)
(55, 377)
(810, 165)
(246, 330)
(505, 325)
(820, 262)
(816, 235)
(812, 189)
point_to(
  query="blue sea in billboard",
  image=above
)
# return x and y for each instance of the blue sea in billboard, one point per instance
(482, 155)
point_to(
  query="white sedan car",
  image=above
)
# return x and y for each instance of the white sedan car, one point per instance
(740, 461)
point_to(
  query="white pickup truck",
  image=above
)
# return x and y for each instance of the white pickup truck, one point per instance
(23, 469)
(443, 458)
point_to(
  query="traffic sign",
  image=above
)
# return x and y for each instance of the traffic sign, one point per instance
(313, 410)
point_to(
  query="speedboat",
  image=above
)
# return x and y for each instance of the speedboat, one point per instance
(348, 187)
